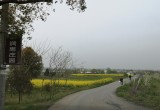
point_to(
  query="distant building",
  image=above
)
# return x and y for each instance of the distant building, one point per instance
(88, 72)
(131, 73)
(105, 71)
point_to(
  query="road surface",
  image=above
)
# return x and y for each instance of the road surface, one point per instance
(101, 98)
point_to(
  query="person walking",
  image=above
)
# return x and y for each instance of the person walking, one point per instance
(130, 77)
(121, 80)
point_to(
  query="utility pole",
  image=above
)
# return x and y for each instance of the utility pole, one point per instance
(3, 33)
(4, 5)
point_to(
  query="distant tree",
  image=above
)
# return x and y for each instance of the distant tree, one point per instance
(110, 71)
(76, 71)
(101, 71)
(46, 73)
(94, 71)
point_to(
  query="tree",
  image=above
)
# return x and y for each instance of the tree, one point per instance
(32, 61)
(60, 61)
(19, 81)
(22, 14)
(20, 76)
(109, 70)
(46, 73)
(94, 71)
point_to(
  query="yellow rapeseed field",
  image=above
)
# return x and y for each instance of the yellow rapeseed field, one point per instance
(38, 82)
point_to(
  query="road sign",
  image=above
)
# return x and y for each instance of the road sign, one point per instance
(12, 50)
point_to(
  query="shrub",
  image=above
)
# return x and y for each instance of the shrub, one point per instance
(47, 87)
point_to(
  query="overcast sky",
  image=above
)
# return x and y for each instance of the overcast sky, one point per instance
(122, 34)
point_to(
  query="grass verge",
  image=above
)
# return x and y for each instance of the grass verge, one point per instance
(146, 95)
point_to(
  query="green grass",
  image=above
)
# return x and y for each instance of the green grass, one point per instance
(146, 95)
(40, 99)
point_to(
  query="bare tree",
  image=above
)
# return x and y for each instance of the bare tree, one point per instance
(59, 62)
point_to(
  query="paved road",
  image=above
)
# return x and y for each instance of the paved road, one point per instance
(101, 98)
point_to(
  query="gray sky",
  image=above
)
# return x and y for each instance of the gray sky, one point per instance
(122, 34)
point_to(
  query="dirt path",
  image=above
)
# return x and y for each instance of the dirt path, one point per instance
(101, 98)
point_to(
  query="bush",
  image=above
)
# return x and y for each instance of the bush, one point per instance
(47, 87)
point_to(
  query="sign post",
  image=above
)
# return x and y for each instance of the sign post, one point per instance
(13, 53)
(3, 32)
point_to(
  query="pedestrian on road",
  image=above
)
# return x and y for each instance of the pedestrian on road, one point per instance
(130, 77)
(121, 80)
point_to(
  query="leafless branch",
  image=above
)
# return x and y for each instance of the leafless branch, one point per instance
(60, 60)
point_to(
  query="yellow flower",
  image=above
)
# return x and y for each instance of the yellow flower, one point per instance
(40, 82)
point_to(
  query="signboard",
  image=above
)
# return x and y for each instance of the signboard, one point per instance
(12, 50)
